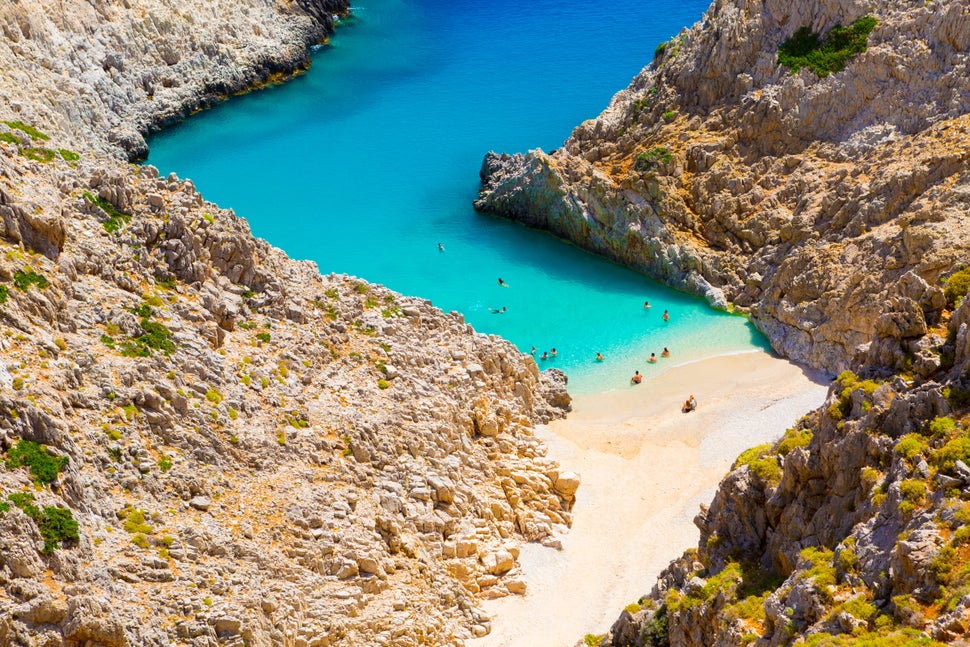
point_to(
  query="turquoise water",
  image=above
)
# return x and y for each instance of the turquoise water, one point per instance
(371, 159)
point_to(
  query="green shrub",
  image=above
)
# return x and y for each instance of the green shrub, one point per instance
(116, 217)
(4, 293)
(68, 155)
(108, 341)
(164, 463)
(57, 525)
(156, 337)
(942, 426)
(38, 154)
(913, 490)
(9, 138)
(793, 439)
(654, 156)
(43, 467)
(140, 540)
(958, 449)
(660, 50)
(263, 337)
(27, 130)
(383, 384)
(24, 279)
(656, 632)
(670, 115)
(910, 446)
(135, 522)
(829, 54)
(593, 639)
(957, 286)
(213, 396)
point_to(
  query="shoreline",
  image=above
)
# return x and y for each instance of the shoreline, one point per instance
(645, 468)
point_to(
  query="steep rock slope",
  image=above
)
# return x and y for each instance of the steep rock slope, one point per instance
(805, 199)
(853, 529)
(208, 443)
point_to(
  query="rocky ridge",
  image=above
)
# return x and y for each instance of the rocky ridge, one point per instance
(807, 201)
(253, 453)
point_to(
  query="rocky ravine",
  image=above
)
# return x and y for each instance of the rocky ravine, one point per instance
(810, 202)
(254, 454)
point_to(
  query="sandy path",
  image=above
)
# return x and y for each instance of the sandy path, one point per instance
(645, 466)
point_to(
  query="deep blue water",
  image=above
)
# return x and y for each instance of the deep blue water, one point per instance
(371, 159)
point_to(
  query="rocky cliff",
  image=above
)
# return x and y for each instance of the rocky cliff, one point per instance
(853, 529)
(203, 441)
(105, 73)
(817, 199)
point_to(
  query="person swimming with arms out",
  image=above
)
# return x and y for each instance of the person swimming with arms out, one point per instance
(497, 311)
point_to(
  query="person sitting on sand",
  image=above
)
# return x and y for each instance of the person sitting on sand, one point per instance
(599, 357)
(545, 355)
(666, 352)
(637, 378)
(502, 283)
(653, 358)
(646, 304)
(690, 405)
(666, 316)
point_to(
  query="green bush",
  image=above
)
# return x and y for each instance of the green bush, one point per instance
(68, 155)
(958, 449)
(57, 525)
(383, 384)
(9, 138)
(4, 293)
(942, 426)
(910, 446)
(913, 490)
(829, 54)
(670, 115)
(654, 156)
(23, 279)
(43, 467)
(957, 286)
(793, 439)
(263, 337)
(135, 522)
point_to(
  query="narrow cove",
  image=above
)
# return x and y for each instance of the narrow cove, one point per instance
(369, 161)
(374, 161)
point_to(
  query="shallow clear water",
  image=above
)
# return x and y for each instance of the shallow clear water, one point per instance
(371, 159)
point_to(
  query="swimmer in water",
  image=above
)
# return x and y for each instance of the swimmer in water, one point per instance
(599, 357)
(666, 352)
(502, 283)
(646, 304)
(653, 358)
(554, 353)
(666, 316)
(544, 355)
(637, 378)
(441, 247)
(497, 311)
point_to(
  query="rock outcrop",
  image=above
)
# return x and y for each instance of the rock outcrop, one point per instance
(251, 453)
(814, 203)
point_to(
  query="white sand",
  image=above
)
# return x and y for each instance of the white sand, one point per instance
(646, 467)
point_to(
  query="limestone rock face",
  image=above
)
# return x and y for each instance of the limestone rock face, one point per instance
(255, 454)
(809, 202)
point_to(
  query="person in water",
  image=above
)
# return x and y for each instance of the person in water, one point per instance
(502, 283)
(653, 358)
(533, 351)
(666, 352)
(545, 355)
(666, 316)
(554, 353)
(441, 247)
(599, 357)
(496, 311)
(646, 304)
(637, 378)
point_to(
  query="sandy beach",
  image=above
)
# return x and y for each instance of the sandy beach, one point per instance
(645, 468)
